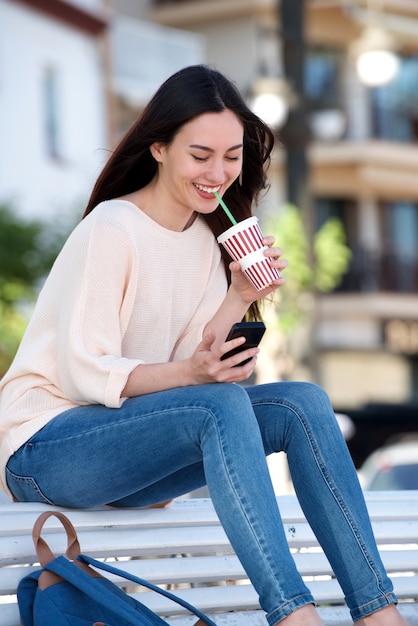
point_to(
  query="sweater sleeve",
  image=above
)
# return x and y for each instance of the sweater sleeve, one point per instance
(100, 266)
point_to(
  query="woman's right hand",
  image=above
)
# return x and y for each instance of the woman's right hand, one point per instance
(206, 365)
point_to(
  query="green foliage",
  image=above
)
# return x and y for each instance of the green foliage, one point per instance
(19, 261)
(27, 250)
(290, 236)
(331, 258)
(12, 326)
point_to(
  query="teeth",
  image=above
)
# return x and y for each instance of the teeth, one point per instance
(207, 189)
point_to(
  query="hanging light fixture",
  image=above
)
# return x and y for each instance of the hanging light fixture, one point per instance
(375, 51)
(271, 98)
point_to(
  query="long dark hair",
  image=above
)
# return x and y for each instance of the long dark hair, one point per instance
(186, 94)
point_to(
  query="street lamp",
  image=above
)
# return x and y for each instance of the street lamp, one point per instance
(375, 55)
(271, 98)
(374, 52)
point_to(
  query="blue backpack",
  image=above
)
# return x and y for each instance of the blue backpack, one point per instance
(67, 591)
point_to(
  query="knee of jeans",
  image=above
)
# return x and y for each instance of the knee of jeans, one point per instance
(234, 398)
(234, 412)
(313, 398)
(311, 403)
(230, 403)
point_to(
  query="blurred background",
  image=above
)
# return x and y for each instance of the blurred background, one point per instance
(336, 79)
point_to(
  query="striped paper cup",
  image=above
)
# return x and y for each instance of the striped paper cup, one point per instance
(244, 243)
(259, 270)
(242, 238)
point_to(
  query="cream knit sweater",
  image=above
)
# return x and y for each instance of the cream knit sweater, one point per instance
(123, 291)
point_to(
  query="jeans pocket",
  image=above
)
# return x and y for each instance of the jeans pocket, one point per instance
(25, 488)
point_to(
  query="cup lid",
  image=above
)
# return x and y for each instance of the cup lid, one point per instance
(237, 228)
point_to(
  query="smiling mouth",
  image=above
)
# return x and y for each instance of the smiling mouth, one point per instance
(207, 189)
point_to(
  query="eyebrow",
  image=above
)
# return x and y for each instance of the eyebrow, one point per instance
(194, 145)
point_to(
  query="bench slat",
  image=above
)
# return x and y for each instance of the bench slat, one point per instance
(214, 568)
(244, 597)
(210, 599)
(185, 512)
(180, 540)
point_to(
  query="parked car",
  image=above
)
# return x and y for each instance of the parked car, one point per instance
(392, 467)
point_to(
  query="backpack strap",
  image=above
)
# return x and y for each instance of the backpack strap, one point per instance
(204, 619)
(43, 551)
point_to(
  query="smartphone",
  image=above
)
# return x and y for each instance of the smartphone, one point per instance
(252, 331)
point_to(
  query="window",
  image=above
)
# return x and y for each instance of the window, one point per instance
(322, 79)
(395, 106)
(50, 107)
(393, 266)
(414, 377)
(323, 93)
(400, 245)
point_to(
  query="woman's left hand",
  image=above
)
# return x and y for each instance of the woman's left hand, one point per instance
(240, 283)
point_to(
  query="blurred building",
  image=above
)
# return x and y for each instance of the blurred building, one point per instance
(75, 73)
(363, 164)
(53, 102)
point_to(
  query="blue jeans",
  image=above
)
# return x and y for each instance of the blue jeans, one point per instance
(162, 445)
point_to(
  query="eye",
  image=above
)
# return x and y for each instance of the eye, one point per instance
(236, 158)
(200, 159)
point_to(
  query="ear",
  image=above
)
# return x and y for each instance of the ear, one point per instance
(156, 150)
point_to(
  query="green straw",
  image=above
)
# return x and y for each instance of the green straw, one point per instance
(225, 208)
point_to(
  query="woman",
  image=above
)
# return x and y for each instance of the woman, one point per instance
(118, 394)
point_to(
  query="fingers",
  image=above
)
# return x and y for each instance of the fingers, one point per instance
(274, 254)
(268, 240)
(208, 340)
(230, 347)
(238, 367)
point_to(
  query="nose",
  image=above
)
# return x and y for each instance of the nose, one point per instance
(216, 171)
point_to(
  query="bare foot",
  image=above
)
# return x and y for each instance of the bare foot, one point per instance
(305, 616)
(389, 616)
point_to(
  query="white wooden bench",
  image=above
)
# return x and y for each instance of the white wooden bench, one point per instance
(184, 547)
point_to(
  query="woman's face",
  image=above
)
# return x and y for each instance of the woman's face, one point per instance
(204, 156)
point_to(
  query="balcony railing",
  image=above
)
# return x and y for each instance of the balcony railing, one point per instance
(371, 271)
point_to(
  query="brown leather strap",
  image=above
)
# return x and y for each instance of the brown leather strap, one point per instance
(45, 555)
(48, 579)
